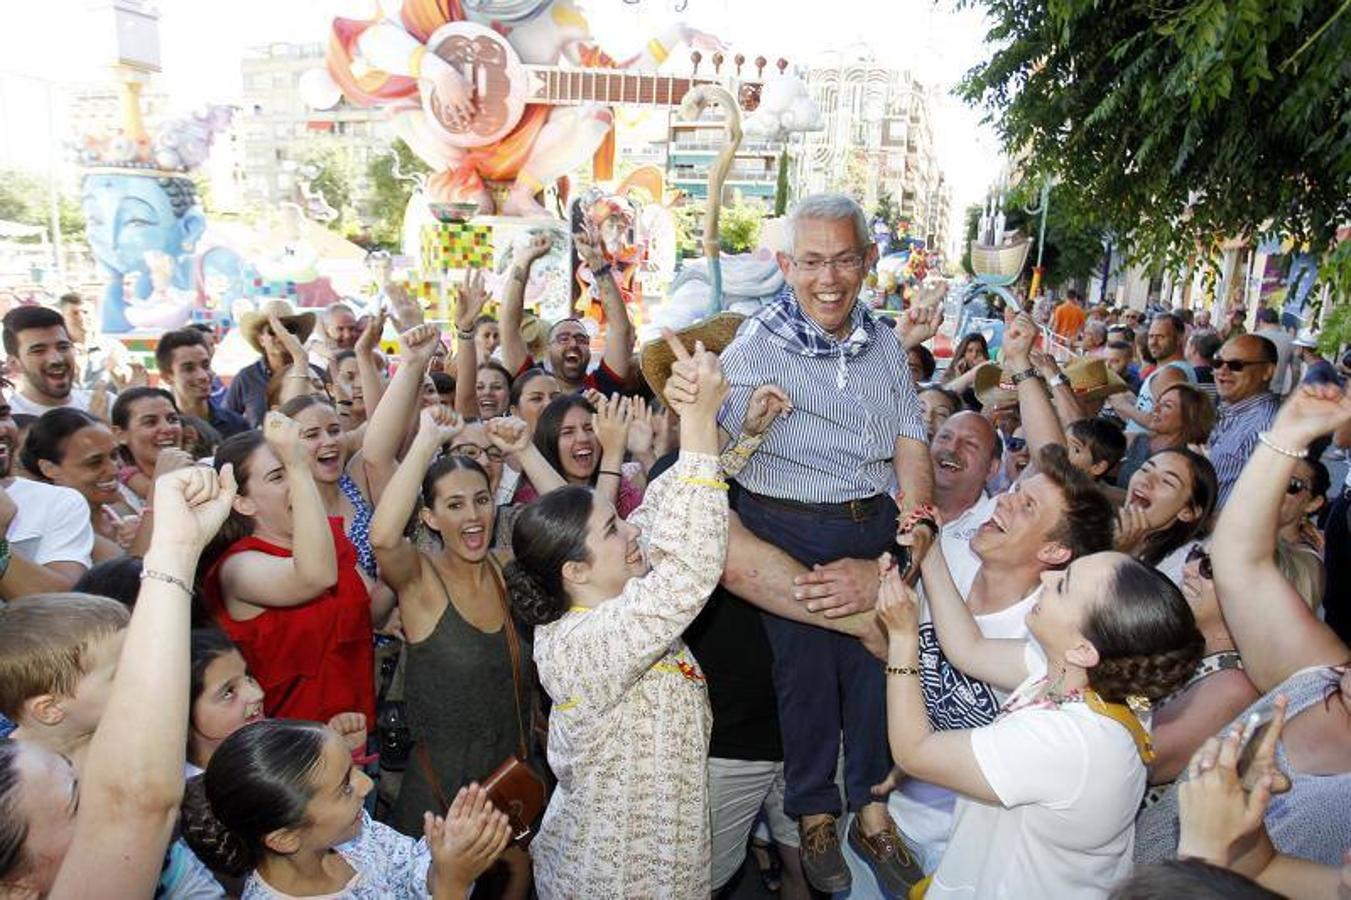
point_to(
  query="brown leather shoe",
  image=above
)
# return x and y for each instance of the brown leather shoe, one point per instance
(822, 860)
(887, 854)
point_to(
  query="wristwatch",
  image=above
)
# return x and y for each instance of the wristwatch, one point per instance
(1019, 377)
(1056, 380)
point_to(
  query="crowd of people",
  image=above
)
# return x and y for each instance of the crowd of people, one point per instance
(492, 616)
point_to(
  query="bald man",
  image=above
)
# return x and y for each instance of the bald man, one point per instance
(1243, 371)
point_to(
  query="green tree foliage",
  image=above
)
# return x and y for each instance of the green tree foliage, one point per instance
(1179, 122)
(24, 198)
(738, 226)
(335, 182)
(392, 179)
(886, 210)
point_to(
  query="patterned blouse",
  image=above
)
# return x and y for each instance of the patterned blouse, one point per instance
(628, 735)
(389, 866)
(359, 533)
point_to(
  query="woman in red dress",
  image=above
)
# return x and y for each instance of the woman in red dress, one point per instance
(283, 583)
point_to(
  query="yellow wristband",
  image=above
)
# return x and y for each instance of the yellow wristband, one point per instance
(415, 63)
(706, 482)
(658, 51)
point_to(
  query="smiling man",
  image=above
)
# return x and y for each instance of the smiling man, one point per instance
(42, 355)
(820, 488)
(184, 361)
(1243, 371)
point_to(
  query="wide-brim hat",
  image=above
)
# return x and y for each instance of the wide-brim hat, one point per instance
(993, 387)
(715, 332)
(252, 322)
(1307, 338)
(1092, 380)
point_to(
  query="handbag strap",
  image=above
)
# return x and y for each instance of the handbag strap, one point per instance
(1127, 717)
(513, 644)
(424, 761)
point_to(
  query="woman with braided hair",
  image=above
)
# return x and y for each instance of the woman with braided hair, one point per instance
(1052, 785)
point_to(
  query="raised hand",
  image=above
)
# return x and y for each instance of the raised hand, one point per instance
(696, 385)
(1019, 337)
(1312, 411)
(1132, 524)
(768, 402)
(473, 296)
(283, 436)
(190, 506)
(1045, 364)
(369, 339)
(98, 400)
(588, 248)
(171, 459)
(468, 840)
(351, 727)
(897, 605)
(509, 434)
(917, 324)
(611, 423)
(641, 434)
(440, 424)
(407, 311)
(535, 245)
(417, 344)
(289, 341)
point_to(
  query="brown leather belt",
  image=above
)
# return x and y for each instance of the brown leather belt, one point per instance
(855, 510)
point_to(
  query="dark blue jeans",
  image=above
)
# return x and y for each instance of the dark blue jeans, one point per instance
(826, 683)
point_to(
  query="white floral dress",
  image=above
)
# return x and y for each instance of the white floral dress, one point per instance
(629, 730)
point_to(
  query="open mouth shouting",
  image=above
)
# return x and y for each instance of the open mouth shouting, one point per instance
(474, 536)
(1139, 498)
(330, 459)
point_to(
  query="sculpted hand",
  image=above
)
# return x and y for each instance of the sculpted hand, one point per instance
(454, 94)
(589, 250)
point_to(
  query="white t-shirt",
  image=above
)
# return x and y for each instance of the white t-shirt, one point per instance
(956, 542)
(52, 524)
(1069, 781)
(923, 810)
(79, 399)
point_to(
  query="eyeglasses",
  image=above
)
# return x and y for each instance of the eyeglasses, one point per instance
(581, 339)
(1238, 365)
(1296, 486)
(474, 451)
(1197, 552)
(848, 262)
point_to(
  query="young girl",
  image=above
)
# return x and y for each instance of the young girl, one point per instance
(628, 734)
(283, 582)
(281, 802)
(461, 641)
(1170, 501)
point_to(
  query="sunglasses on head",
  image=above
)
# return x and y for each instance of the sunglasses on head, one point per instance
(1198, 553)
(1237, 365)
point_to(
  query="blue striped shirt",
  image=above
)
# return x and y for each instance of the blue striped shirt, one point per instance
(1235, 436)
(851, 400)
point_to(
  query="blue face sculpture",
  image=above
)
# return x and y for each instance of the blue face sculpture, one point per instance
(127, 215)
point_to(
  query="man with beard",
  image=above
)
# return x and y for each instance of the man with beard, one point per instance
(42, 355)
(1167, 344)
(48, 539)
(569, 342)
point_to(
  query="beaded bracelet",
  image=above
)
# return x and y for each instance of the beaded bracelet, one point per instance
(1264, 438)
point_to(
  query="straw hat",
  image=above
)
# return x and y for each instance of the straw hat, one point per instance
(993, 387)
(253, 321)
(716, 332)
(1092, 380)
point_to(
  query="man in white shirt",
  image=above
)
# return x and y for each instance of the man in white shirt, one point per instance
(48, 538)
(42, 354)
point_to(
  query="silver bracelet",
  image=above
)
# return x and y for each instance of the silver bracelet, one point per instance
(1264, 438)
(165, 577)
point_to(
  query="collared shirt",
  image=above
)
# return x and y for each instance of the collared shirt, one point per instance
(248, 391)
(1235, 436)
(601, 378)
(851, 400)
(226, 421)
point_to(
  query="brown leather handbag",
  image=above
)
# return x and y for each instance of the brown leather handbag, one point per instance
(514, 787)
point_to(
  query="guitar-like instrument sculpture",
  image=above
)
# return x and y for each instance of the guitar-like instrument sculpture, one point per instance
(503, 85)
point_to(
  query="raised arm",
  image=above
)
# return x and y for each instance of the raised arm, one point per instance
(132, 782)
(396, 554)
(388, 423)
(512, 436)
(295, 381)
(1273, 627)
(514, 351)
(618, 328)
(368, 369)
(944, 757)
(312, 568)
(468, 305)
(611, 423)
(996, 661)
(1034, 404)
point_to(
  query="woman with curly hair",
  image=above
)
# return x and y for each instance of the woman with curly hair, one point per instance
(1050, 789)
(629, 730)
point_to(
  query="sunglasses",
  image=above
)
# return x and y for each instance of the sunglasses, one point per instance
(1238, 365)
(1016, 444)
(1198, 553)
(1296, 486)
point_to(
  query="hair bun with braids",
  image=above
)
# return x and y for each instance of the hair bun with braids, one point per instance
(219, 848)
(1153, 677)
